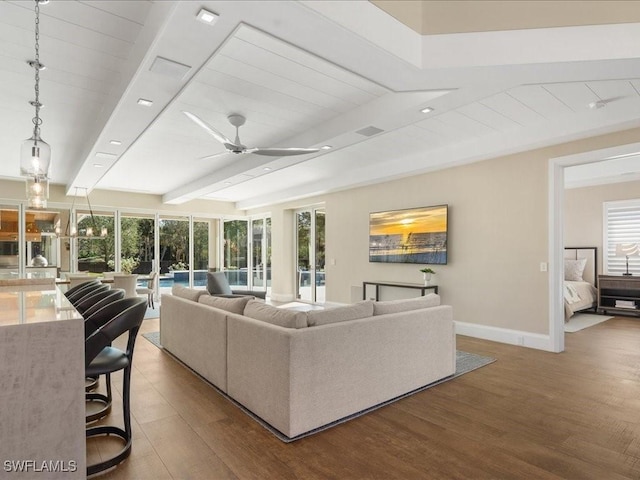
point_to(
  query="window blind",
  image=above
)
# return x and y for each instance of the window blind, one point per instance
(622, 226)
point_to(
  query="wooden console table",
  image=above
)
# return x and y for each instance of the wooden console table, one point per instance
(423, 288)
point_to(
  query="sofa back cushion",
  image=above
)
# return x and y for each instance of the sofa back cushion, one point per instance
(340, 314)
(187, 293)
(233, 305)
(396, 306)
(217, 283)
(259, 310)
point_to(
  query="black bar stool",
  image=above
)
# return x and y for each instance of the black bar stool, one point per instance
(96, 302)
(102, 359)
(75, 292)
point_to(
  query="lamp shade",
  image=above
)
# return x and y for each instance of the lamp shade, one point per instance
(37, 191)
(35, 157)
(627, 250)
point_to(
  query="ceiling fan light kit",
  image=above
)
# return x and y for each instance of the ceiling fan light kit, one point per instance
(236, 146)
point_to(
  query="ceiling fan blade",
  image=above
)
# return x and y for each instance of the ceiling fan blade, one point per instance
(212, 131)
(282, 152)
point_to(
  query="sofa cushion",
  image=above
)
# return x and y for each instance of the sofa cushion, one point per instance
(230, 304)
(217, 283)
(396, 306)
(340, 314)
(259, 310)
(187, 293)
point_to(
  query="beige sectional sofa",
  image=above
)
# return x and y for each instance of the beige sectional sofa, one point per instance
(299, 371)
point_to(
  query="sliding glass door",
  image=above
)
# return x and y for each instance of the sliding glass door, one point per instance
(310, 255)
(247, 253)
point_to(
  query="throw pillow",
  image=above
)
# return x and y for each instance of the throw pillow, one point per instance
(396, 306)
(217, 283)
(187, 293)
(233, 305)
(574, 269)
(340, 314)
(259, 310)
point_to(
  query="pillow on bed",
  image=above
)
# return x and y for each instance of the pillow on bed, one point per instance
(573, 269)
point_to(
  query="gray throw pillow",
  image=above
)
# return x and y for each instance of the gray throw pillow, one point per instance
(362, 309)
(187, 293)
(259, 310)
(233, 305)
(396, 306)
(217, 283)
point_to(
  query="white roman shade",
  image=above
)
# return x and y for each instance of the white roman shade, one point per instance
(621, 227)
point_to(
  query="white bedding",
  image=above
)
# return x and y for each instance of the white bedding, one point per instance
(578, 296)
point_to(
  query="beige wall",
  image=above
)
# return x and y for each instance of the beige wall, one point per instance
(583, 213)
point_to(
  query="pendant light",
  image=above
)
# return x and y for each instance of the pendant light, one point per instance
(71, 231)
(35, 154)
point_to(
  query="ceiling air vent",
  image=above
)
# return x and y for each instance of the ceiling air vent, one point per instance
(369, 131)
(167, 67)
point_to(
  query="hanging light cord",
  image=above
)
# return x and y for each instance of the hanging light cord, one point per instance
(37, 121)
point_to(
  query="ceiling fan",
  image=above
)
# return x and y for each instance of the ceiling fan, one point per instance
(236, 146)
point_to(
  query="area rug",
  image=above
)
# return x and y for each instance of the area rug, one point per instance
(152, 312)
(580, 321)
(465, 363)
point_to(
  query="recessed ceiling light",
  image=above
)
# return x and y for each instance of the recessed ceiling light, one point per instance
(326, 147)
(227, 183)
(427, 110)
(598, 104)
(98, 165)
(144, 102)
(206, 16)
(115, 142)
(106, 155)
(266, 169)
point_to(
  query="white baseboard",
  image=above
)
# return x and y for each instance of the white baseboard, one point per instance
(505, 335)
(282, 297)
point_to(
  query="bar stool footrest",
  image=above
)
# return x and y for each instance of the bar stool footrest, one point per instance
(115, 460)
(103, 412)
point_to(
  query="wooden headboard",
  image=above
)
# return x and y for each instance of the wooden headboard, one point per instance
(591, 268)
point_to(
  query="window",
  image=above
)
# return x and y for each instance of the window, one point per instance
(174, 248)
(621, 227)
(96, 242)
(202, 249)
(137, 241)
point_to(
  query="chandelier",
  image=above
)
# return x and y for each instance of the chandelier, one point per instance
(71, 230)
(35, 154)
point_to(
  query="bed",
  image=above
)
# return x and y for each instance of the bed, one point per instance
(580, 280)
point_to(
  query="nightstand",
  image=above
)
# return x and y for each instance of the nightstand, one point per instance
(619, 294)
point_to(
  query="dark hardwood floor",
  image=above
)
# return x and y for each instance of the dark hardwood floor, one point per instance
(530, 415)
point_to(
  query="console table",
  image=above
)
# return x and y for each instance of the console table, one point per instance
(423, 288)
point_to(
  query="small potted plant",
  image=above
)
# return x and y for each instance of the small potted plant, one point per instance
(427, 272)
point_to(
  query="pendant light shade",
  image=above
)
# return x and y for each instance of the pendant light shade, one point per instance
(37, 191)
(35, 157)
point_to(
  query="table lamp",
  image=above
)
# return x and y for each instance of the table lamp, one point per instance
(627, 250)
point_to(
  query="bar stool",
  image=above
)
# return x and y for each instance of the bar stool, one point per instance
(90, 298)
(111, 295)
(73, 292)
(102, 359)
(107, 297)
